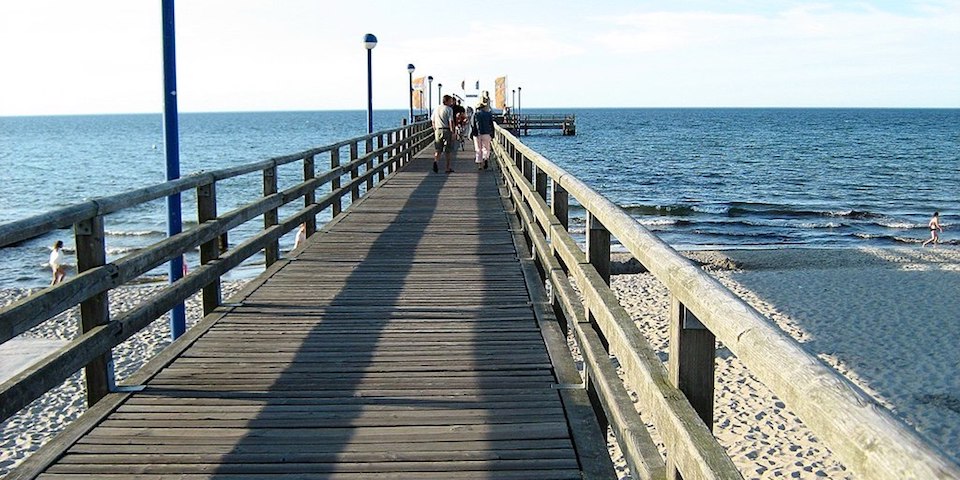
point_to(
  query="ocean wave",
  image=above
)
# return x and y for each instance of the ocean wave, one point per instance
(821, 225)
(657, 222)
(855, 214)
(747, 209)
(900, 225)
(897, 239)
(134, 233)
(672, 210)
(119, 251)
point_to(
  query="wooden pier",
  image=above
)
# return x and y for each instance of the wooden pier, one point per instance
(413, 337)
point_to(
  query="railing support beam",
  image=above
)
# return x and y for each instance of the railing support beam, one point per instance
(209, 251)
(335, 183)
(270, 218)
(691, 366)
(309, 173)
(95, 311)
(354, 170)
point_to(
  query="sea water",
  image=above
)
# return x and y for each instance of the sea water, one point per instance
(699, 178)
(756, 178)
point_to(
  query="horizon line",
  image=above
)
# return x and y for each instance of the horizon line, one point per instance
(405, 110)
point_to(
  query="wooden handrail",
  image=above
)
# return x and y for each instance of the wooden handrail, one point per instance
(675, 419)
(97, 341)
(866, 437)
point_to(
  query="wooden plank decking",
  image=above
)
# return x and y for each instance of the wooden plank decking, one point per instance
(398, 344)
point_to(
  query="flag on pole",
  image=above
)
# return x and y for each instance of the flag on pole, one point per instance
(418, 92)
(500, 92)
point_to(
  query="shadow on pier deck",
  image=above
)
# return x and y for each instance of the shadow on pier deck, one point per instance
(399, 343)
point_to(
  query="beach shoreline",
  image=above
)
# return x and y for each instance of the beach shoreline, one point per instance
(879, 316)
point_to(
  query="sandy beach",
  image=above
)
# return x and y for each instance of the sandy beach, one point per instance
(48, 415)
(884, 318)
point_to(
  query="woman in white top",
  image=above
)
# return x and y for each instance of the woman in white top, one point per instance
(56, 263)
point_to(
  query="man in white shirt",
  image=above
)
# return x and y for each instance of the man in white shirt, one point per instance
(443, 125)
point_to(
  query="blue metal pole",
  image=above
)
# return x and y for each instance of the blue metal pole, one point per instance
(171, 148)
(369, 90)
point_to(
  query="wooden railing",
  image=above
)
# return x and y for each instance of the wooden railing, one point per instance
(100, 333)
(678, 398)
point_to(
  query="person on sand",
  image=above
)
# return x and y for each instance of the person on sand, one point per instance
(444, 122)
(935, 230)
(56, 263)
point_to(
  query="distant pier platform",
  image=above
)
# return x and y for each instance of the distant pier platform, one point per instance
(521, 124)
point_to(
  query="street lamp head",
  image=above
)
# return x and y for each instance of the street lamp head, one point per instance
(411, 68)
(369, 41)
(430, 78)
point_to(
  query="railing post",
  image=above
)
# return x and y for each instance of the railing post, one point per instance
(95, 311)
(598, 254)
(335, 183)
(691, 365)
(270, 218)
(560, 204)
(382, 175)
(541, 183)
(402, 137)
(369, 147)
(598, 246)
(309, 173)
(354, 170)
(209, 251)
(408, 133)
(392, 155)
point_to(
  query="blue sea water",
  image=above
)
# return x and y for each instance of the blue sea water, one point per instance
(755, 178)
(700, 178)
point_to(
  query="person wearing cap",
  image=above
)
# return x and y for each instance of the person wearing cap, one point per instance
(483, 128)
(443, 126)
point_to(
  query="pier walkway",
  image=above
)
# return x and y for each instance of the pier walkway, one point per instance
(399, 343)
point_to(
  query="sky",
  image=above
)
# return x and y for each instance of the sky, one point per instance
(105, 56)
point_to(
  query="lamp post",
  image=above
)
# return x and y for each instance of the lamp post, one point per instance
(369, 41)
(513, 99)
(430, 96)
(440, 91)
(410, 69)
(518, 99)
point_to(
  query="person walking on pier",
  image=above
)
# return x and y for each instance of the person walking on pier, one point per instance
(934, 228)
(444, 123)
(56, 263)
(483, 129)
(460, 119)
